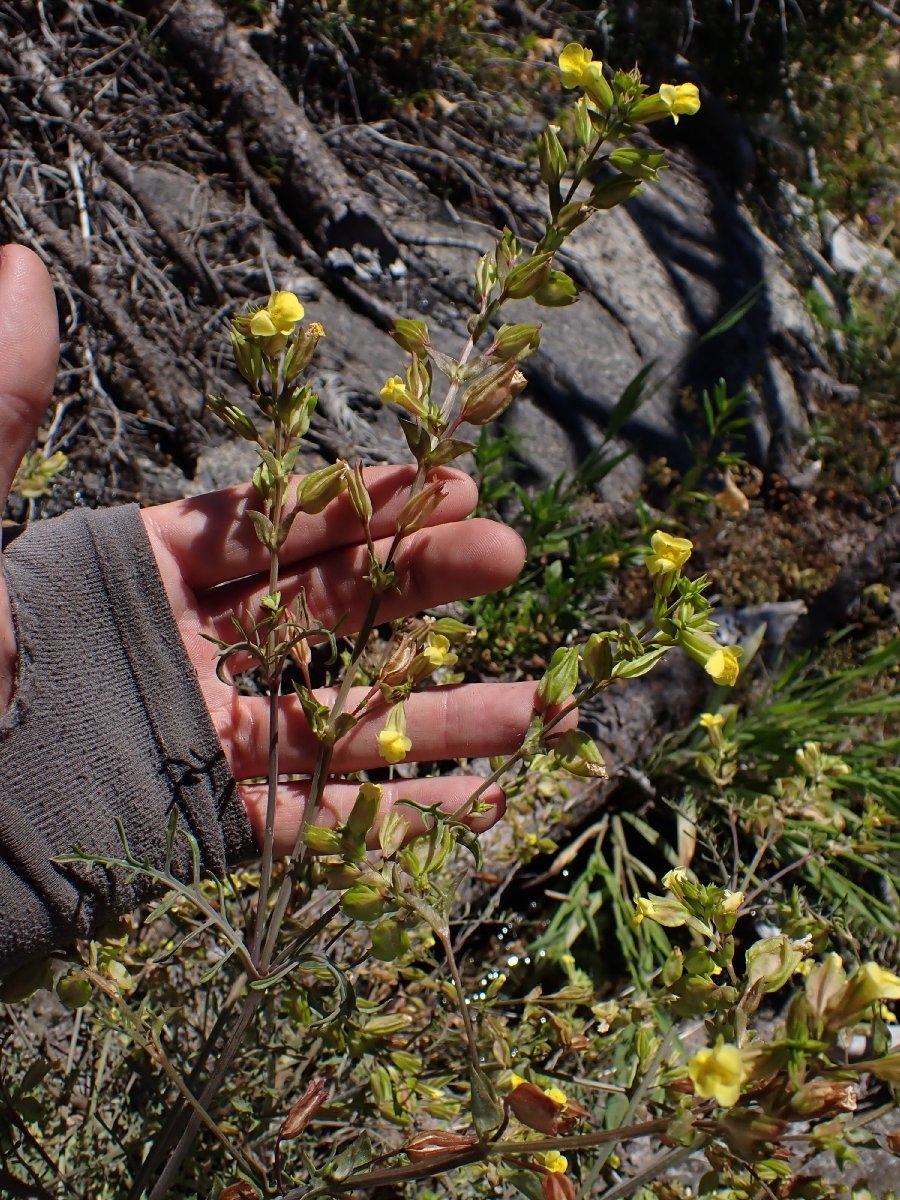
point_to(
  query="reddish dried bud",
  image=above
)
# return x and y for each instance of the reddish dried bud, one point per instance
(437, 1142)
(534, 1108)
(242, 1190)
(556, 1186)
(304, 1110)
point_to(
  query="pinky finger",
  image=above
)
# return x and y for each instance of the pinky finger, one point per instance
(448, 794)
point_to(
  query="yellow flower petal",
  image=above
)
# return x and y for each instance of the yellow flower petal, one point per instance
(723, 665)
(669, 553)
(393, 746)
(680, 99)
(555, 1162)
(718, 1073)
(262, 325)
(572, 63)
(285, 310)
(394, 391)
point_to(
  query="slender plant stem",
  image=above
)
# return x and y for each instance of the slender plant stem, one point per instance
(471, 1042)
(275, 668)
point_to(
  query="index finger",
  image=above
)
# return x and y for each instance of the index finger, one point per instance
(212, 540)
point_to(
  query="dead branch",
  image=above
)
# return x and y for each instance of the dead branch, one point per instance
(153, 386)
(317, 193)
(46, 92)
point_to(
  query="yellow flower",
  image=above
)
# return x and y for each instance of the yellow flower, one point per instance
(643, 909)
(579, 70)
(394, 391)
(723, 665)
(711, 720)
(515, 1080)
(872, 982)
(669, 553)
(718, 1073)
(557, 1097)
(555, 1162)
(674, 879)
(437, 652)
(731, 902)
(680, 99)
(393, 746)
(279, 316)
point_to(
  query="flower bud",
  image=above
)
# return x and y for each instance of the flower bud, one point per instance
(417, 509)
(320, 840)
(613, 191)
(551, 155)
(359, 495)
(492, 394)
(561, 677)
(597, 658)
(514, 341)
(524, 280)
(365, 809)
(235, 418)
(572, 215)
(247, 357)
(319, 488)
(428, 851)
(304, 1110)
(485, 276)
(584, 127)
(411, 336)
(637, 164)
(301, 349)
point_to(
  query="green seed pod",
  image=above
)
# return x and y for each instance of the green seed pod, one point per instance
(580, 756)
(389, 940)
(74, 990)
(363, 903)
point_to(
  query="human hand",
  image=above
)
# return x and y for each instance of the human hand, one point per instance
(212, 565)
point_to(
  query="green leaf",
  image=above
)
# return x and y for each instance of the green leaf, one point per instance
(629, 402)
(487, 1111)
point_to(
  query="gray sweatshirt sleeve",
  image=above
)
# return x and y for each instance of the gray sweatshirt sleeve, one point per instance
(107, 721)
